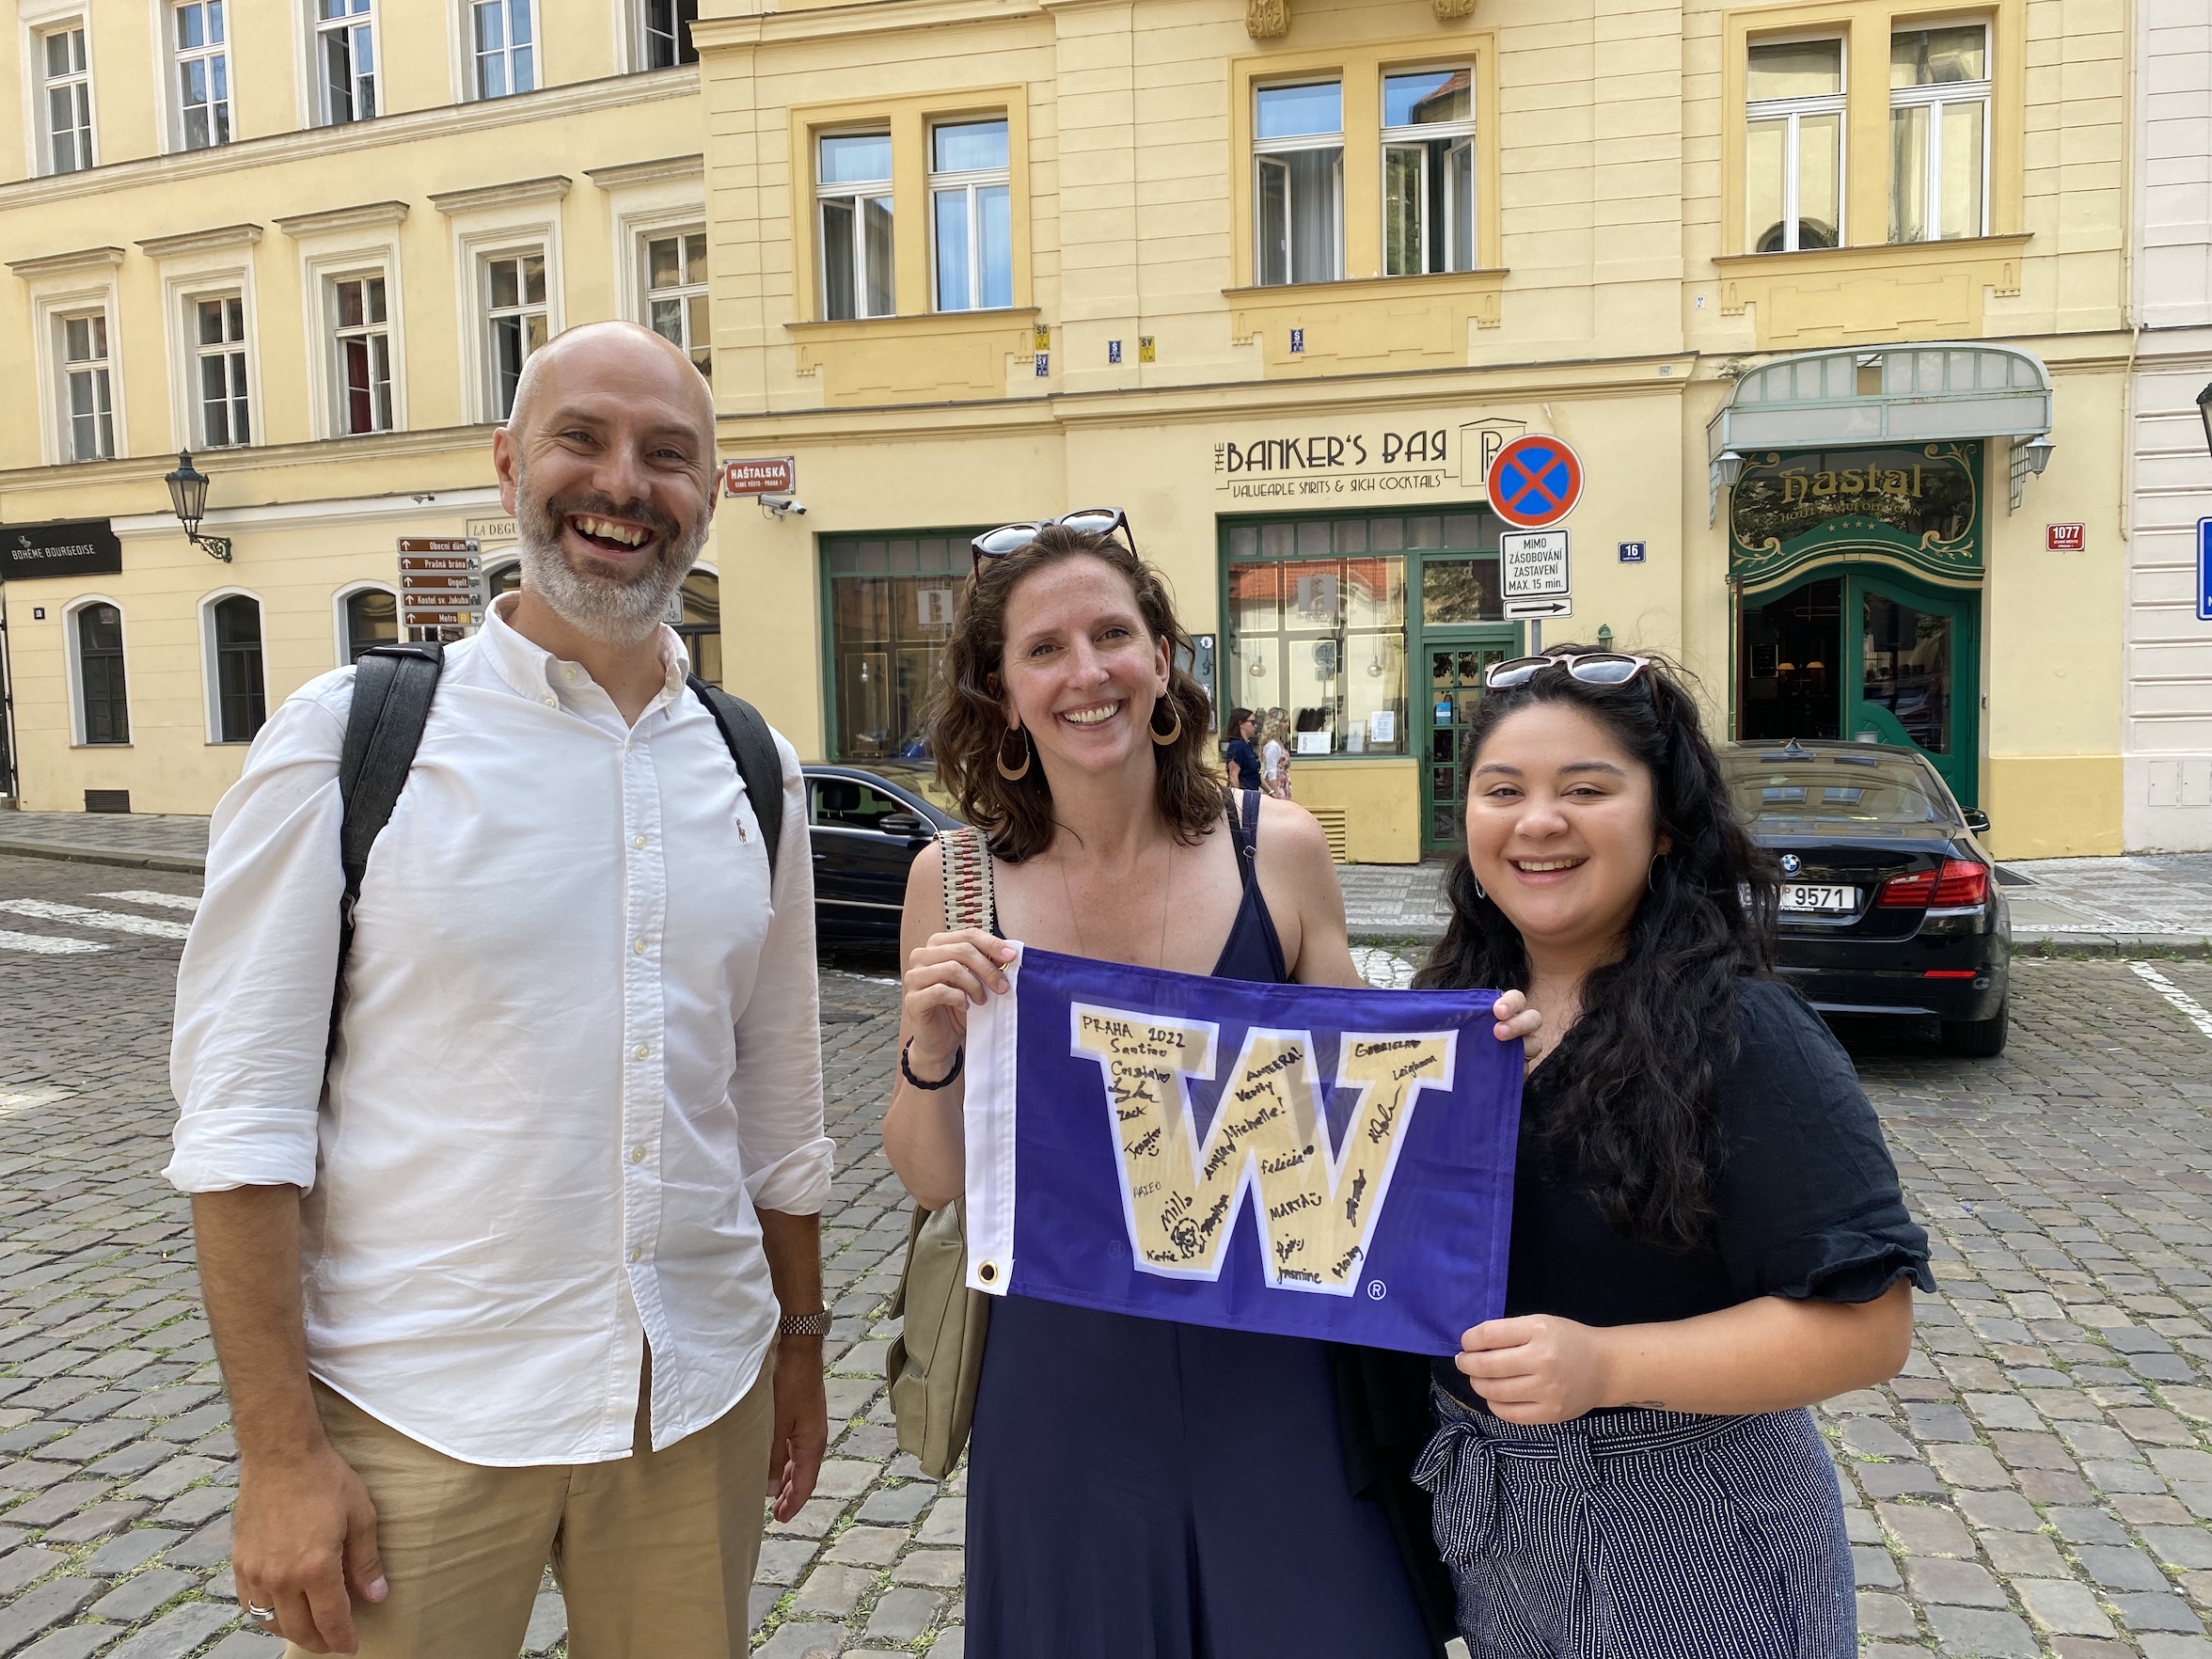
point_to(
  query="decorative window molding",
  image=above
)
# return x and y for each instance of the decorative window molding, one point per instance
(494, 222)
(110, 681)
(345, 245)
(350, 643)
(63, 286)
(196, 266)
(648, 202)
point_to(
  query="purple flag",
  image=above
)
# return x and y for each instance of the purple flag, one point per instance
(1302, 1160)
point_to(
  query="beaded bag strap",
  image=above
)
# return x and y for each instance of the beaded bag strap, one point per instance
(971, 900)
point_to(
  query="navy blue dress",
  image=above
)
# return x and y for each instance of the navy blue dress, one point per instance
(1139, 1489)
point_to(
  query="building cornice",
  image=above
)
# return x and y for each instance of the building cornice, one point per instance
(248, 464)
(331, 221)
(625, 174)
(195, 242)
(552, 187)
(83, 258)
(871, 17)
(412, 126)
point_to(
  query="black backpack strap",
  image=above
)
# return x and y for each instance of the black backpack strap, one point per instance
(393, 685)
(753, 746)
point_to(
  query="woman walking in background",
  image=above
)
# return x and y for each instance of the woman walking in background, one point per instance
(1138, 1489)
(1244, 762)
(1274, 755)
(1708, 1233)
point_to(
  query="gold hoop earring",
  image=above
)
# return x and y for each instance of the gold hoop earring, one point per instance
(1014, 774)
(1168, 736)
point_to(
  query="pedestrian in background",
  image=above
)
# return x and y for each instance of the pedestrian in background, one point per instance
(505, 1284)
(1708, 1233)
(1274, 755)
(1137, 1489)
(1242, 760)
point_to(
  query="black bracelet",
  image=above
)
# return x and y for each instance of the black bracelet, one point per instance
(959, 1058)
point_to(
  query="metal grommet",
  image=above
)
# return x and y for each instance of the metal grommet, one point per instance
(987, 1272)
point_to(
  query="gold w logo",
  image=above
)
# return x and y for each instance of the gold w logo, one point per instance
(1270, 1134)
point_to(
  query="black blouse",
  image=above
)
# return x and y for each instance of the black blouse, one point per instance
(1806, 1201)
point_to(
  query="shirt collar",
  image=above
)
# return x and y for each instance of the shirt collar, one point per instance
(534, 671)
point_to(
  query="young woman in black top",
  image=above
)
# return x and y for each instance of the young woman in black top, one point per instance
(1708, 1233)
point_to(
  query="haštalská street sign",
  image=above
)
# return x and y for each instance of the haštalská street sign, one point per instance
(773, 475)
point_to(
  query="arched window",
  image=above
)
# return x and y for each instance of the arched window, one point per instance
(505, 578)
(702, 628)
(242, 703)
(100, 674)
(372, 618)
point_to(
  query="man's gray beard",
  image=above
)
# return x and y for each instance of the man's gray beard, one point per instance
(614, 613)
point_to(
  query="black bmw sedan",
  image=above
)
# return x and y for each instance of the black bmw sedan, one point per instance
(865, 825)
(1890, 905)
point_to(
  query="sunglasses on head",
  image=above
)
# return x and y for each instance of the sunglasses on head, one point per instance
(1592, 668)
(1012, 538)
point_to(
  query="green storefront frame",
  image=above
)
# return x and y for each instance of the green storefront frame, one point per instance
(1447, 629)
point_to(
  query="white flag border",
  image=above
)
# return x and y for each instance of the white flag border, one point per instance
(993, 1033)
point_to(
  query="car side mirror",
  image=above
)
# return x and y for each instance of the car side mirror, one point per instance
(906, 824)
(1977, 820)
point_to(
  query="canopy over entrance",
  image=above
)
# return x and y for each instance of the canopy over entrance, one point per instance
(1879, 396)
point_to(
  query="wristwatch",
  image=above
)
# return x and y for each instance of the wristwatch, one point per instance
(810, 1324)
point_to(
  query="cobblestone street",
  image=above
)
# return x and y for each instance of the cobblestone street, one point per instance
(2038, 1482)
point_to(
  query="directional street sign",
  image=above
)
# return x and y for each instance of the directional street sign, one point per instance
(441, 583)
(1534, 481)
(1533, 564)
(1537, 610)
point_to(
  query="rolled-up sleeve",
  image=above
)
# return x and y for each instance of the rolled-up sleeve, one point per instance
(778, 1085)
(254, 988)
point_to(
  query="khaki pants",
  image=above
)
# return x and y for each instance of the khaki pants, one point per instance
(654, 1551)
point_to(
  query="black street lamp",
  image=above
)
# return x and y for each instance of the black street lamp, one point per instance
(188, 488)
(2204, 409)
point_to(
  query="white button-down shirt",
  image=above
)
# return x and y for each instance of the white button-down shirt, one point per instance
(579, 1047)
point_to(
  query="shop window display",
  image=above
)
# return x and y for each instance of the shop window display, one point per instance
(1318, 617)
(891, 611)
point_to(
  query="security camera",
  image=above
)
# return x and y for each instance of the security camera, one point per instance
(782, 506)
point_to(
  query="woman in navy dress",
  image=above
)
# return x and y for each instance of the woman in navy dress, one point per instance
(1138, 1489)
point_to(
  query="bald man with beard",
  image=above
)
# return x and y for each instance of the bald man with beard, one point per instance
(530, 1270)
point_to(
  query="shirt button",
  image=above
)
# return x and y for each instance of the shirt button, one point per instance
(640, 841)
(642, 1051)
(568, 674)
(637, 1155)
(552, 703)
(638, 948)
(637, 1253)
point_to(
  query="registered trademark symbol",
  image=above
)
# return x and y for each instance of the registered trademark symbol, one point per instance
(1377, 1291)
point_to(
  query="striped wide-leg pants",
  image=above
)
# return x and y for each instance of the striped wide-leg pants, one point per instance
(1642, 1535)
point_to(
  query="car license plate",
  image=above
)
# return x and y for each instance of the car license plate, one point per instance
(1807, 895)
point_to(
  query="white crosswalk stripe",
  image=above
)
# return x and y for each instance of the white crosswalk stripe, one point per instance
(47, 945)
(167, 901)
(109, 921)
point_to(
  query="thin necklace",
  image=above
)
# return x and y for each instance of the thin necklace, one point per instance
(1166, 890)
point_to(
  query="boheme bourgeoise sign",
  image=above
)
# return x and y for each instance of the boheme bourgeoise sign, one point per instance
(1384, 456)
(1919, 505)
(80, 547)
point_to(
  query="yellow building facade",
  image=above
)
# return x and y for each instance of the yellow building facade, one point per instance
(1828, 303)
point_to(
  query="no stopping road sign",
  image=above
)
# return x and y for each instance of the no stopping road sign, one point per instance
(1534, 481)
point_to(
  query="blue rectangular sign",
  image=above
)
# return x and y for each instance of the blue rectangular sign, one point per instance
(1302, 1160)
(2205, 570)
(1632, 552)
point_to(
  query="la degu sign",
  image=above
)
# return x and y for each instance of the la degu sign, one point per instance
(1389, 455)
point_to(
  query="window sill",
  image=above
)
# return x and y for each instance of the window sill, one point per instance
(911, 325)
(945, 356)
(1829, 297)
(100, 746)
(1366, 323)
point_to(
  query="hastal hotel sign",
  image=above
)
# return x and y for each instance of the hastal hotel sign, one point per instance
(1350, 460)
(78, 547)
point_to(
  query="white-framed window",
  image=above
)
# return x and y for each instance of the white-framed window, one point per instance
(100, 709)
(222, 413)
(675, 294)
(1939, 132)
(203, 72)
(515, 324)
(237, 688)
(65, 98)
(345, 61)
(502, 41)
(852, 182)
(88, 385)
(1793, 146)
(361, 359)
(972, 209)
(367, 614)
(1298, 182)
(1429, 171)
(664, 33)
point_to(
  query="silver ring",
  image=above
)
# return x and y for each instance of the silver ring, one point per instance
(265, 1615)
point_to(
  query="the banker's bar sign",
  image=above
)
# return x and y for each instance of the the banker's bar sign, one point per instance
(78, 547)
(1387, 456)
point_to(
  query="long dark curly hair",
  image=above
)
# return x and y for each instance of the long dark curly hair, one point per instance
(1631, 1116)
(967, 723)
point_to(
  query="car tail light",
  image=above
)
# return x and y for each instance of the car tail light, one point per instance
(1960, 884)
